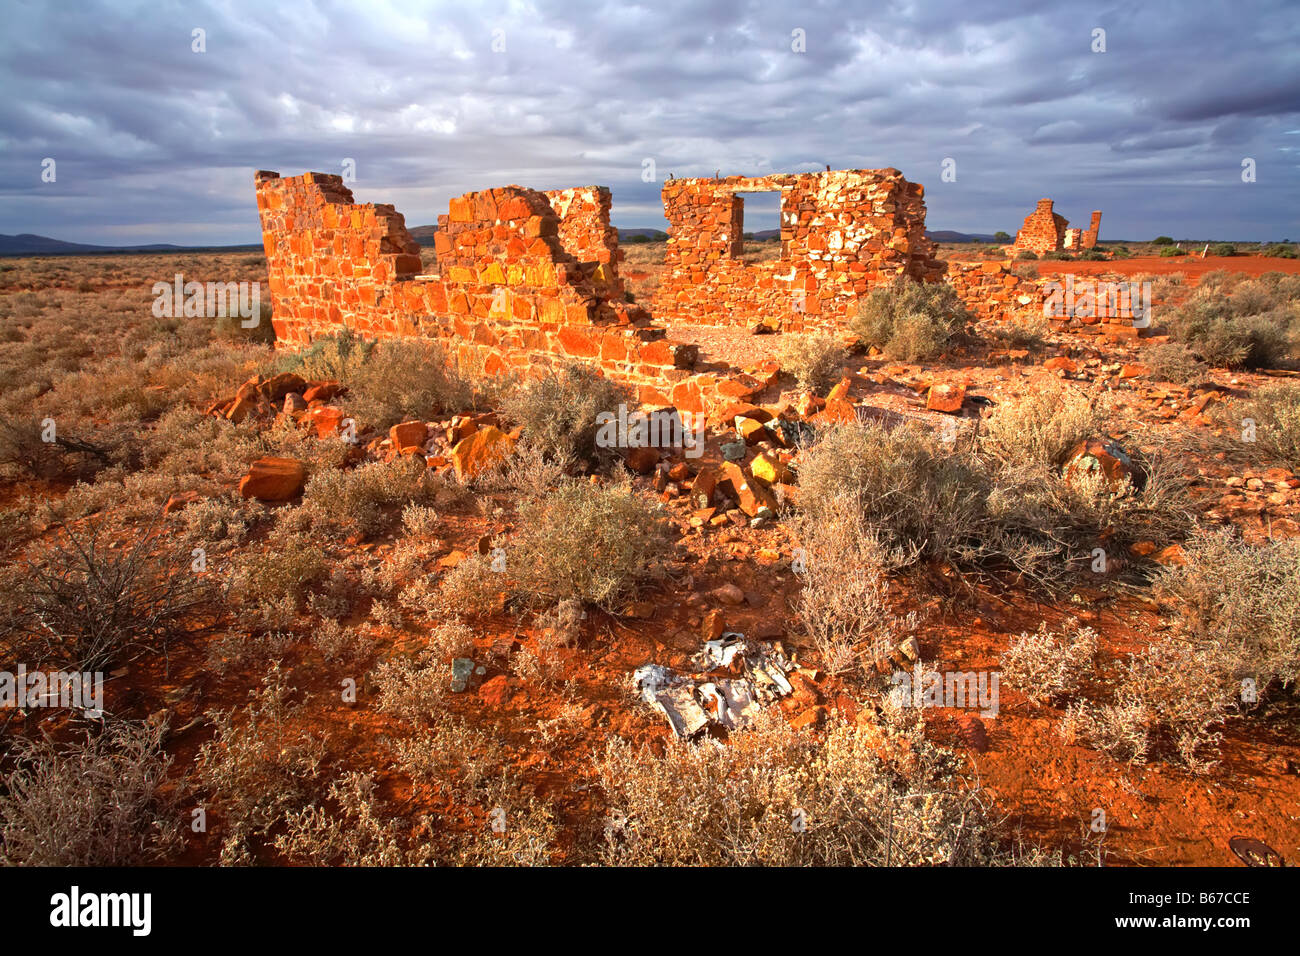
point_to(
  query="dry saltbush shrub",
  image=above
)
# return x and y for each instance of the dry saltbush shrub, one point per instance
(814, 358)
(273, 584)
(1256, 324)
(240, 651)
(392, 381)
(1050, 665)
(1275, 410)
(86, 602)
(470, 589)
(531, 470)
(910, 321)
(413, 687)
(260, 765)
(103, 801)
(356, 833)
(558, 412)
(518, 831)
(341, 644)
(1170, 696)
(1024, 332)
(366, 498)
(843, 605)
(862, 795)
(1044, 425)
(926, 498)
(451, 757)
(585, 542)
(1172, 362)
(917, 495)
(1242, 604)
(420, 520)
(216, 521)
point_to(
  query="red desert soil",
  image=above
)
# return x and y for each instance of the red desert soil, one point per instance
(1159, 812)
(1192, 266)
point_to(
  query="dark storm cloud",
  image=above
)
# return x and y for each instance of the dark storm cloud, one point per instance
(157, 143)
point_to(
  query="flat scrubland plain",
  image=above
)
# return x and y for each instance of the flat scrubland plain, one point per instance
(285, 683)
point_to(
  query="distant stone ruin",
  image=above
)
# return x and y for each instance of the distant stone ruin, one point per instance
(1047, 231)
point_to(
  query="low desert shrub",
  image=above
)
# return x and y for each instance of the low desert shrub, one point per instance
(366, 499)
(910, 321)
(814, 359)
(914, 494)
(1173, 362)
(1050, 665)
(843, 604)
(591, 543)
(558, 412)
(102, 801)
(862, 795)
(261, 765)
(1275, 411)
(1254, 327)
(1244, 601)
(354, 831)
(273, 583)
(1043, 425)
(86, 602)
(390, 381)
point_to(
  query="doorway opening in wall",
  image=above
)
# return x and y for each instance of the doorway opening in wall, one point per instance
(760, 228)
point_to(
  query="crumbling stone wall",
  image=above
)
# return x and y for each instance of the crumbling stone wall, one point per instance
(508, 297)
(992, 291)
(842, 233)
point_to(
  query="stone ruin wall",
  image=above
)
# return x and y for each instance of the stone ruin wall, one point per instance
(508, 297)
(842, 233)
(528, 280)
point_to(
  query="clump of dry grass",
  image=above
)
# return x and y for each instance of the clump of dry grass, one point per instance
(814, 359)
(102, 801)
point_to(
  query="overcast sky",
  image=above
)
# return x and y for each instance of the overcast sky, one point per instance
(154, 142)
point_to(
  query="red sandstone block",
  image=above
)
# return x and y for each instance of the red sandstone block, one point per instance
(578, 343)
(686, 396)
(460, 210)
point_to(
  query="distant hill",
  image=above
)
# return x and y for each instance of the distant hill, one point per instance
(947, 235)
(28, 244)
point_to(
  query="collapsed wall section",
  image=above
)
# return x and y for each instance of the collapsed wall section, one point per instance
(842, 233)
